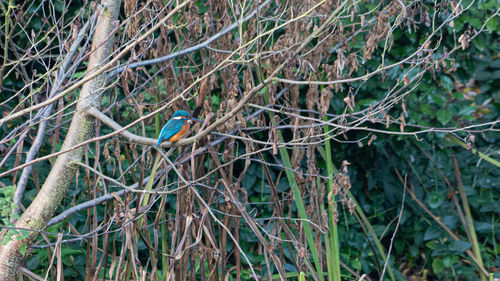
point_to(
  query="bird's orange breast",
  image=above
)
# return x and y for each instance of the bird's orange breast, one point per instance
(181, 133)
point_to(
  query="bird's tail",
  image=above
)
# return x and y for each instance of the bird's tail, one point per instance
(159, 142)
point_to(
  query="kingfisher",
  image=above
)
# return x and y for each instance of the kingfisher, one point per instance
(177, 127)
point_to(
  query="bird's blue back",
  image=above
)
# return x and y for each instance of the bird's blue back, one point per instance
(172, 127)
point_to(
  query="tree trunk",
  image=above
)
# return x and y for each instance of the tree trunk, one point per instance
(62, 174)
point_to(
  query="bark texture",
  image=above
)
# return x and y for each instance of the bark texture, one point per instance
(63, 172)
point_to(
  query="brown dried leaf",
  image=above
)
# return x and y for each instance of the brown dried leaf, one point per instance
(340, 62)
(350, 102)
(406, 80)
(472, 139)
(204, 90)
(345, 163)
(326, 96)
(105, 151)
(351, 205)
(353, 63)
(464, 41)
(311, 97)
(372, 138)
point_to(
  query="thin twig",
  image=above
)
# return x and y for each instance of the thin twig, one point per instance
(395, 231)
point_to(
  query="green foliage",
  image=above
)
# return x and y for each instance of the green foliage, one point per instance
(7, 207)
(7, 201)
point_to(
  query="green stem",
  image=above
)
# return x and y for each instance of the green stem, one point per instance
(149, 185)
(330, 172)
(297, 196)
(473, 150)
(328, 243)
(365, 220)
(468, 217)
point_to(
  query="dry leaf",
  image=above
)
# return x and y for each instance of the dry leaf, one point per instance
(403, 123)
(373, 137)
(406, 80)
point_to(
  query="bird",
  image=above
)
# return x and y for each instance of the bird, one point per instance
(177, 127)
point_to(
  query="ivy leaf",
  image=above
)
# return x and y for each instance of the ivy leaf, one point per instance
(467, 110)
(450, 221)
(438, 99)
(435, 199)
(431, 233)
(426, 109)
(447, 83)
(437, 266)
(448, 261)
(458, 247)
(444, 116)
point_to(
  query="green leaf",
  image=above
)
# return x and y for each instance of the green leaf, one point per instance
(492, 24)
(449, 261)
(435, 199)
(105, 100)
(450, 221)
(215, 101)
(458, 247)
(356, 264)
(426, 109)
(490, 4)
(447, 83)
(439, 99)
(14, 216)
(22, 249)
(79, 74)
(367, 102)
(69, 251)
(7, 238)
(444, 116)
(262, 91)
(437, 266)
(480, 42)
(432, 233)
(457, 95)
(467, 110)
(483, 227)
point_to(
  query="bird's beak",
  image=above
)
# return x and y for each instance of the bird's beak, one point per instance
(195, 119)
